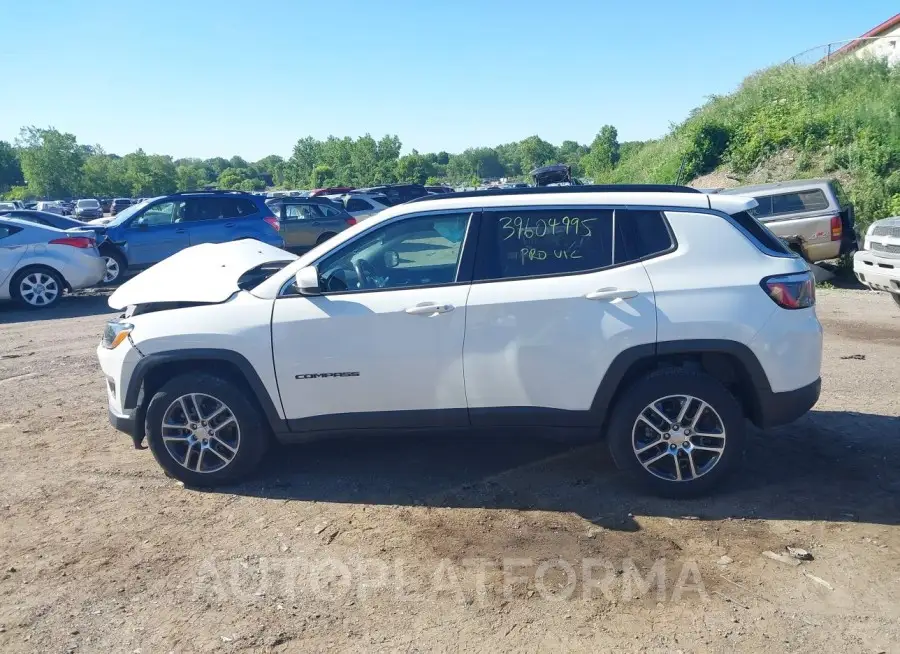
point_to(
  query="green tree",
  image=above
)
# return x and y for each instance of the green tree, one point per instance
(274, 166)
(10, 168)
(51, 162)
(190, 177)
(415, 167)
(604, 154)
(535, 152)
(306, 155)
(322, 176)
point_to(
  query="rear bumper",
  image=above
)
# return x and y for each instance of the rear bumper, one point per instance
(878, 273)
(781, 408)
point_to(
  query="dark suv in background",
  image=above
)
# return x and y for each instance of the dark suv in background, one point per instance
(396, 193)
(118, 205)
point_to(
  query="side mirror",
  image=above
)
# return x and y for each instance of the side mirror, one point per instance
(308, 281)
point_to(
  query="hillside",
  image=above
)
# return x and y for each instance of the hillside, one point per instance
(789, 122)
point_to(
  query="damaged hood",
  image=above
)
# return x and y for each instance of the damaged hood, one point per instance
(202, 273)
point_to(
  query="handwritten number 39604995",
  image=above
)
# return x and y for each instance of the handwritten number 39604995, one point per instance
(542, 228)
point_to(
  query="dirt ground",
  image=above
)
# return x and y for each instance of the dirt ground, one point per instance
(470, 542)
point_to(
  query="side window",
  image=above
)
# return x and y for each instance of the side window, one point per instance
(356, 204)
(6, 230)
(164, 213)
(205, 209)
(301, 212)
(417, 251)
(329, 212)
(236, 207)
(519, 243)
(640, 234)
(760, 232)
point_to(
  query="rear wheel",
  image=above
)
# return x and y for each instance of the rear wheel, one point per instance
(676, 433)
(115, 266)
(204, 431)
(37, 288)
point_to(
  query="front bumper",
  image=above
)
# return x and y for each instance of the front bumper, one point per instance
(878, 273)
(781, 408)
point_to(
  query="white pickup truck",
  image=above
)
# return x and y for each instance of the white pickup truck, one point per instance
(877, 265)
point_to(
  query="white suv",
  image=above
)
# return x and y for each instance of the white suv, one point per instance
(659, 316)
(877, 265)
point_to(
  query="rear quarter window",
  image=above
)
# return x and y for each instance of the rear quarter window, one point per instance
(760, 233)
(641, 234)
(795, 202)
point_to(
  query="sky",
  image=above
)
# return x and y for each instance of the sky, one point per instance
(206, 78)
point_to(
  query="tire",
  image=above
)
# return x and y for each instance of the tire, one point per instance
(246, 438)
(324, 237)
(115, 266)
(677, 444)
(896, 298)
(37, 287)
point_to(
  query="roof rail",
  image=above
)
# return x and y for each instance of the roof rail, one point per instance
(543, 190)
(213, 190)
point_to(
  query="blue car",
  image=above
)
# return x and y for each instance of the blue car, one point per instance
(148, 232)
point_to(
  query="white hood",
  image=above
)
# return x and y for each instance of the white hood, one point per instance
(202, 273)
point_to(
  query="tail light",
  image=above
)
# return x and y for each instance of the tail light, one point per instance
(794, 291)
(83, 242)
(273, 221)
(350, 221)
(837, 229)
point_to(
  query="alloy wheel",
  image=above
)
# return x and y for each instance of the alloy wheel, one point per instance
(678, 438)
(39, 289)
(112, 270)
(200, 433)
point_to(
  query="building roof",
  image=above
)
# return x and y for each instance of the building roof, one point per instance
(878, 30)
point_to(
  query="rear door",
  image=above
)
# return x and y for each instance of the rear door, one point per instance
(301, 225)
(551, 307)
(159, 231)
(219, 219)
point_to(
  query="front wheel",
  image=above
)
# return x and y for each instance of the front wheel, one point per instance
(676, 432)
(204, 431)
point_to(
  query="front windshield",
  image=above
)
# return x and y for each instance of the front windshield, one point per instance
(88, 204)
(125, 214)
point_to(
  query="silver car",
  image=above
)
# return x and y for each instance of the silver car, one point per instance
(38, 263)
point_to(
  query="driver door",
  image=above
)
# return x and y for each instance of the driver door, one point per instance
(382, 346)
(158, 232)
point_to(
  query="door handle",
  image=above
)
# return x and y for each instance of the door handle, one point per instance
(180, 231)
(429, 309)
(228, 225)
(611, 293)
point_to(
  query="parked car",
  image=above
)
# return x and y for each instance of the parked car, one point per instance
(105, 204)
(439, 189)
(361, 205)
(45, 218)
(307, 222)
(500, 309)
(813, 216)
(88, 208)
(146, 233)
(553, 175)
(68, 207)
(39, 263)
(11, 205)
(29, 205)
(50, 206)
(119, 204)
(877, 265)
(329, 190)
(396, 193)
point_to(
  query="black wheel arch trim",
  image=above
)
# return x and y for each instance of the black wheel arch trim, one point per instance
(625, 360)
(151, 361)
